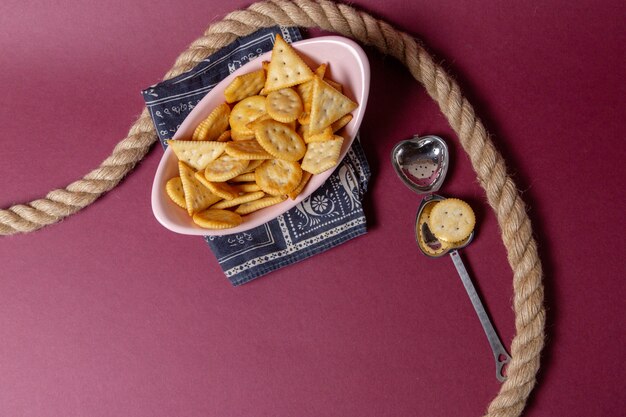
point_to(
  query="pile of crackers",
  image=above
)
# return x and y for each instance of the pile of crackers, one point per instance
(276, 128)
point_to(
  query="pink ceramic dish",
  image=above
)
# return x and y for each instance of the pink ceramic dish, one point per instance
(347, 64)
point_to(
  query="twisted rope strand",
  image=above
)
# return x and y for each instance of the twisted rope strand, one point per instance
(487, 162)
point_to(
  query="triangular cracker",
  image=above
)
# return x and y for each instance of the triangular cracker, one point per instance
(327, 105)
(197, 196)
(195, 153)
(286, 68)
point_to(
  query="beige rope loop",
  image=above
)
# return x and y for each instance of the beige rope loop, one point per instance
(490, 168)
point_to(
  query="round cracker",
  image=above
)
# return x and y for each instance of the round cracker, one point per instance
(280, 140)
(278, 177)
(224, 168)
(244, 112)
(217, 219)
(284, 105)
(214, 125)
(452, 220)
(261, 203)
(423, 219)
(247, 149)
(174, 189)
(244, 198)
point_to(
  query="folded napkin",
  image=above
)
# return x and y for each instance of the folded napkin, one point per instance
(330, 216)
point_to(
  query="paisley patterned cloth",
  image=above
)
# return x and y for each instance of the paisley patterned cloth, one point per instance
(330, 216)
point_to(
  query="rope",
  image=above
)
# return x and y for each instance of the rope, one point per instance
(489, 165)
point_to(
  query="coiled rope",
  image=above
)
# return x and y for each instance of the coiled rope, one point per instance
(487, 162)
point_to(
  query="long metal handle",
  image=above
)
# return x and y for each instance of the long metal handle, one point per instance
(499, 352)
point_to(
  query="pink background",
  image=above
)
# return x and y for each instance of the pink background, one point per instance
(109, 314)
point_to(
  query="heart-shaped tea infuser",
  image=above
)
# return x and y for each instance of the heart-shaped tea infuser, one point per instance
(422, 164)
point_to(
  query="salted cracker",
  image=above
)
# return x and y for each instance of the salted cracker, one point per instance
(224, 168)
(197, 196)
(217, 219)
(244, 198)
(247, 149)
(286, 68)
(214, 124)
(284, 105)
(306, 176)
(278, 177)
(321, 156)
(196, 154)
(327, 106)
(220, 189)
(261, 203)
(245, 85)
(452, 220)
(244, 112)
(280, 140)
(174, 189)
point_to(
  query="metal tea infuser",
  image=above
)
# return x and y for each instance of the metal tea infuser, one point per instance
(422, 164)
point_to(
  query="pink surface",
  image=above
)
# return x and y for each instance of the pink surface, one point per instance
(350, 68)
(110, 314)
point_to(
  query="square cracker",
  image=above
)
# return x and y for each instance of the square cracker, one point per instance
(321, 156)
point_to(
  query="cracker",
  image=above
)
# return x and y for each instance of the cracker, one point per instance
(245, 198)
(327, 106)
(247, 187)
(196, 154)
(261, 203)
(224, 168)
(197, 196)
(225, 136)
(452, 220)
(305, 91)
(280, 140)
(278, 177)
(306, 176)
(286, 68)
(253, 124)
(323, 136)
(303, 132)
(247, 177)
(321, 156)
(254, 164)
(284, 105)
(174, 189)
(244, 112)
(214, 125)
(247, 149)
(342, 122)
(217, 219)
(245, 85)
(424, 218)
(220, 189)
(237, 135)
(321, 70)
(334, 85)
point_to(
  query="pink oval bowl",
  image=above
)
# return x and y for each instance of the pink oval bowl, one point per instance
(347, 64)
